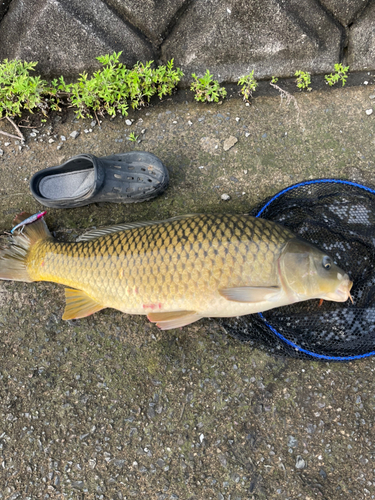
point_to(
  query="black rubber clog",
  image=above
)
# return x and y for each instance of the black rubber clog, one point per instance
(120, 178)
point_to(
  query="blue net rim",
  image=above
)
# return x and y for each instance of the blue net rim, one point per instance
(268, 325)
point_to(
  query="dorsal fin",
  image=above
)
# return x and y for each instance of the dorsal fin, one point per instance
(102, 231)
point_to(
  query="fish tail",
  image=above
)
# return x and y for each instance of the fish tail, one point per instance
(13, 258)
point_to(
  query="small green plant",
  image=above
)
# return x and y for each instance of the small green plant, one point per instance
(207, 89)
(144, 82)
(166, 78)
(106, 91)
(111, 88)
(249, 85)
(18, 90)
(274, 80)
(303, 80)
(133, 137)
(341, 73)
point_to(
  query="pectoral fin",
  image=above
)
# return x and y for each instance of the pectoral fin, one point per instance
(176, 319)
(251, 293)
(79, 304)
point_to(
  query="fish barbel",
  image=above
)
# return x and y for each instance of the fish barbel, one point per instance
(179, 270)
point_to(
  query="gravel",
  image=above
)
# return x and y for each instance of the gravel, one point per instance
(110, 407)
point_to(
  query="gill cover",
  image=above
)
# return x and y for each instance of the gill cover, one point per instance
(306, 273)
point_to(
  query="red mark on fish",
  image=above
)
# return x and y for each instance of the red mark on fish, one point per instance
(150, 306)
(29, 220)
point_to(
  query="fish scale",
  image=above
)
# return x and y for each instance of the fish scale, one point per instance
(176, 271)
(176, 264)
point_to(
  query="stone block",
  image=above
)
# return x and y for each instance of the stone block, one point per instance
(344, 11)
(4, 5)
(273, 38)
(361, 50)
(65, 36)
(153, 19)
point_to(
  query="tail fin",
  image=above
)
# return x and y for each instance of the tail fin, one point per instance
(13, 258)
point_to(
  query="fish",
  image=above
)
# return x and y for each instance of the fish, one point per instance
(176, 271)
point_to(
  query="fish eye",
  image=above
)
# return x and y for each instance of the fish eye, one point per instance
(326, 263)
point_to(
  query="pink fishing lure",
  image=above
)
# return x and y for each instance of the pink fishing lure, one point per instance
(29, 220)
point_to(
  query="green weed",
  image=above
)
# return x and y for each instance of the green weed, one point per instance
(18, 90)
(249, 85)
(109, 90)
(341, 73)
(133, 137)
(303, 80)
(207, 89)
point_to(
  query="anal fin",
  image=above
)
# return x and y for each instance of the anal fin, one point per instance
(176, 319)
(79, 304)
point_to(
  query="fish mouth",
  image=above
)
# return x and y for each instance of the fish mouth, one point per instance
(342, 292)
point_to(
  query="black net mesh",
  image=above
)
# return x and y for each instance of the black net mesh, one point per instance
(339, 217)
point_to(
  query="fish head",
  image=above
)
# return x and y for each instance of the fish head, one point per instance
(307, 273)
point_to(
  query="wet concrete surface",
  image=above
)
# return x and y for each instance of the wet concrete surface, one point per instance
(109, 407)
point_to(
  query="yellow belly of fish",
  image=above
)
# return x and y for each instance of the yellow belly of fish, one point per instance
(182, 286)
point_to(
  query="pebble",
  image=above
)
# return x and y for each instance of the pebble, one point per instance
(323, 473)
(59, 146)
(33, 134)
(128, 122)
(372, 96)
(292, 442)
(92, 124)
(6, 143)
(230, 142)
(1, 152)
(225, 197)
(369, 111)
(247, 134)
(62, 137)
(79, 485)
(300, 463)
(237, 119)
(74, 134)
(51, 140)
(190, 123)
